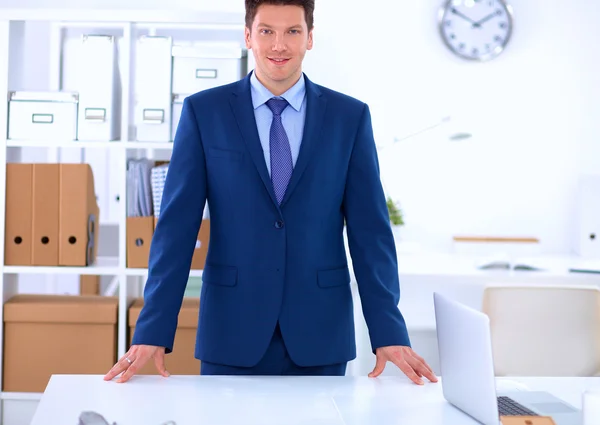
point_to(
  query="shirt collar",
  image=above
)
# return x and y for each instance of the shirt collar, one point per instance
(294, 95)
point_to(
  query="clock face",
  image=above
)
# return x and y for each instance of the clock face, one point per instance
(476, 29)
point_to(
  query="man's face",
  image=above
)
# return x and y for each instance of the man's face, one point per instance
(279, 38)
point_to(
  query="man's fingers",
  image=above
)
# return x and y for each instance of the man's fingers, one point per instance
(379, 367)
(159, 362)
(407, 369)
(422, 369)
(422, 360)
(119, 367)
(136, 365)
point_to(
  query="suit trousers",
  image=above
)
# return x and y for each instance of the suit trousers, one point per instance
(276, 361)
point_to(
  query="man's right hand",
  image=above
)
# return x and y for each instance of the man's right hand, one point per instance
(135, 359)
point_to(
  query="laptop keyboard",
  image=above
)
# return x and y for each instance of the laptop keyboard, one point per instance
(509, 407)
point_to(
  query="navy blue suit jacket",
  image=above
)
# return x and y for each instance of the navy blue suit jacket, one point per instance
(268, 262)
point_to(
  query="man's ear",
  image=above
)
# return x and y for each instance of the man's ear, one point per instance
(310, 40)
(247, 35)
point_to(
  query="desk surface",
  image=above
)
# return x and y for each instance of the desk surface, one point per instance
(198, 400)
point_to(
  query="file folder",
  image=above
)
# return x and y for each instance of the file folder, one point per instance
(79, 216)
(19, 198)
(45, 215)
(99, 100)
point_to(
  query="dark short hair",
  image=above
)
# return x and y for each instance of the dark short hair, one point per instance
(308, 5)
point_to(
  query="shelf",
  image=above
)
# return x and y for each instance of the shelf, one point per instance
(144, 272)
(105, 266)
(81, 144)
(100, 16)
(149, 145)
(62, 144)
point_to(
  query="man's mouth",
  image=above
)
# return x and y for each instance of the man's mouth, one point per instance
(279, 61)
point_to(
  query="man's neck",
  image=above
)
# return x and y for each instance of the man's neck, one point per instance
(278, 88)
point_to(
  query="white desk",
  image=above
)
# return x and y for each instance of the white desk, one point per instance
(199, 400)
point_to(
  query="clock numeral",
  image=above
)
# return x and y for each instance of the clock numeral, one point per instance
(499, 12)
(452, 36)
(475, 51)
(487, 47)
(503, 25)
(498, 38)
(461, 46)
(448, 23)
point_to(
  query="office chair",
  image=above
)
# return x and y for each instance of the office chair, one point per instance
(542, 330)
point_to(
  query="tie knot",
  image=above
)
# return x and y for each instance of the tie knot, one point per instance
(277, 105)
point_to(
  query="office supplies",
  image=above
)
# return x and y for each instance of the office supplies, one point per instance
(467, 369)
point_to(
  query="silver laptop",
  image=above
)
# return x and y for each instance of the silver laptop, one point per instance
(467, 370)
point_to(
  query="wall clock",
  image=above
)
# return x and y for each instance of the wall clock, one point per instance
(476, 29)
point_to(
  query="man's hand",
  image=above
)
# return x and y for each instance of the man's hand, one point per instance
(407, 360)
(135, 359)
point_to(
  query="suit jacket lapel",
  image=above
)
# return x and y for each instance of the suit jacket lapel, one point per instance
(241, 103)
(315, 113)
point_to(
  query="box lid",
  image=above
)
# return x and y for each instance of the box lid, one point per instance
(41, 96)
(81, 309)
(188, 315)
(209, 51)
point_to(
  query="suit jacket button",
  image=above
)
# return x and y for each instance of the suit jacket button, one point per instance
(278, 224)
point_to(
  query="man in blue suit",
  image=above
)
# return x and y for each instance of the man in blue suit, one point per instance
(284, 164)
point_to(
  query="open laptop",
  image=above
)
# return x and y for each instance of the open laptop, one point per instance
(467, 370)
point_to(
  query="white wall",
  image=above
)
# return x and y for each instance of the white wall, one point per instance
(532, 110)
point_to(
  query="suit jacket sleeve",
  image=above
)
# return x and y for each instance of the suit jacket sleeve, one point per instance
(371, 242)
(182, 207)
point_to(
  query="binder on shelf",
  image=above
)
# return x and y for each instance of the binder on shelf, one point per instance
(79, 216)
(45, 217)
(140, 218)
(153, 75)
(17, 234)
(99, 98)
(139, 237)
(50, 116)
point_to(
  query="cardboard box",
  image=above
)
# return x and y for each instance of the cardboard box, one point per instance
(139, 237)
(181, 361)
(51, 215)
(57, 334)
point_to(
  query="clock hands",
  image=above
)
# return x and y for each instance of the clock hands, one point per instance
(487, 18)
(476, 24)
(456, 12)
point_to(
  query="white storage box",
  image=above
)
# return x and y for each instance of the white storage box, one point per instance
(99, 100)
(48, 116)
(200, 67)
(153, 76)
(177, 107)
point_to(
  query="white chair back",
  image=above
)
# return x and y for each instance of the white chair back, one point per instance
(542, 330)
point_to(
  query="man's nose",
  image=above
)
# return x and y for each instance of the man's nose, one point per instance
(279, 44)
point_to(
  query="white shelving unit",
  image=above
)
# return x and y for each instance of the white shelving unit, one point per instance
(59, 25)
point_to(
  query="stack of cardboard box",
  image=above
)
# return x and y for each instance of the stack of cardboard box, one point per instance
(51, 215)
(139, 238)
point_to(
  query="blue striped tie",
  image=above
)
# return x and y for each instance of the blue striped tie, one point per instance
(281, 154)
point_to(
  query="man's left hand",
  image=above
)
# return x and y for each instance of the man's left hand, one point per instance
(409, 362)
